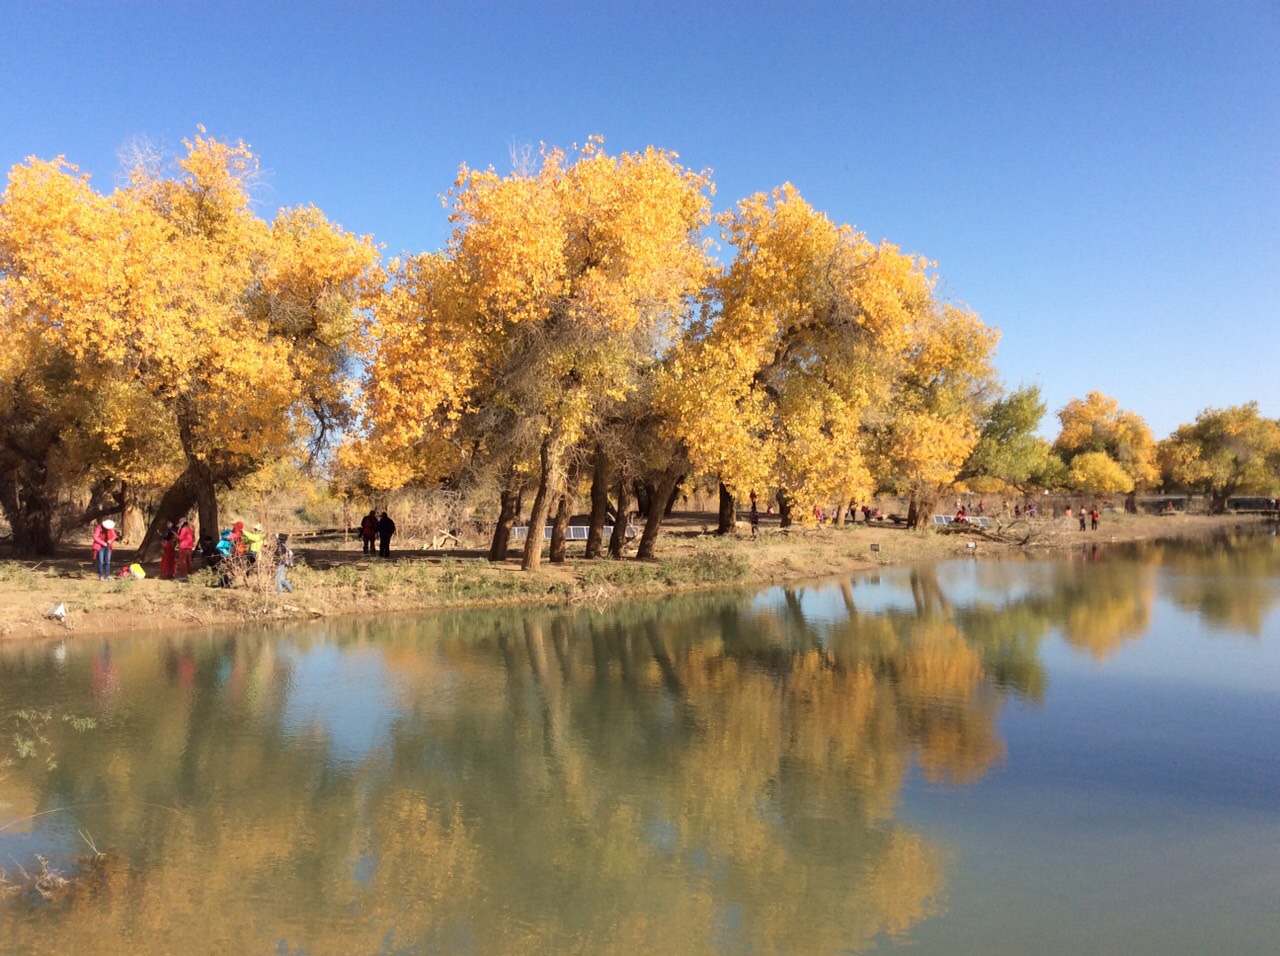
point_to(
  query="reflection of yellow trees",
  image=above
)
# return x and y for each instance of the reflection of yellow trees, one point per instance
(656, 781)
(685, 776)
(952, 715)
(238, 837)
(1230, 580)
(1110, 608)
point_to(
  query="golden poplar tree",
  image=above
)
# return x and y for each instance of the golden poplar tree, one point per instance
(934, 414)
(556, 285)
(1105, 448)
(819, 340)
(1225, 452)
(170, 312)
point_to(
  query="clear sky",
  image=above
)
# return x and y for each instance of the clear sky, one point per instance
(1099, 180)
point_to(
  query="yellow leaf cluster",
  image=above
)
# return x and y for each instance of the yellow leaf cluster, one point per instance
(1097, 424)
(556, 286)
(187, 323)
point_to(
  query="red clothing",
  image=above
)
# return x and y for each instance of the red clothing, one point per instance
(186, 538)
(168, 560)
(103, 538)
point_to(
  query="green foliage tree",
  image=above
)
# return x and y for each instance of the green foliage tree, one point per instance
(1008, 450)
(1225, 452)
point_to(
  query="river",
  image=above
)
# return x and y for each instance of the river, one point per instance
(1067, 755)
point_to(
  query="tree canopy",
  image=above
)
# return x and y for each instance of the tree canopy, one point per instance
(575, 329)
(1096, 425)
(166, 332)
(1225, 452)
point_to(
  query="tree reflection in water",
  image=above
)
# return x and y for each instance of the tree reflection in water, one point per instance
(697, 774)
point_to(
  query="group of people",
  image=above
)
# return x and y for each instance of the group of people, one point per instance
(1086, 517)
(236, 546)
(377, 525)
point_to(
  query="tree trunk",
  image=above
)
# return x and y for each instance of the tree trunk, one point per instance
(784, 510)
(133, 526)
(560, 527)
(619, 537)
(174, 504)
(1131, 502)
(193, 488)
(29, 509)
(728, 513)
(921, 508)
(654, 521)
(599, 502)
(548, 484)
(206, 502)
(501, 542)
(673, 498)
(841, 512)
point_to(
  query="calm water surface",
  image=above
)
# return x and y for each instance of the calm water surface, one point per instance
(1066, 756)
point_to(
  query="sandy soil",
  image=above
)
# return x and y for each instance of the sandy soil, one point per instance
(28, 589)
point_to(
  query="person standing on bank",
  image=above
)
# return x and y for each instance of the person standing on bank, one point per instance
(284, 561)
(253, 543)
(369, 531)
(186, 544)
(169, 551)
(104, 539)
(386, 528)
(1084, 516)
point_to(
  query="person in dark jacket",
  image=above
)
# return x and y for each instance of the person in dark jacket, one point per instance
(386, 528)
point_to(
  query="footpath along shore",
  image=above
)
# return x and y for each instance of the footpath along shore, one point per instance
(340, 580)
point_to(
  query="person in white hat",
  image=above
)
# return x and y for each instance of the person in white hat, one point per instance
(104, 540)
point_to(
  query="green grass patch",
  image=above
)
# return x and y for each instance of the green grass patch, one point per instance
(709, 567)
(472, 581)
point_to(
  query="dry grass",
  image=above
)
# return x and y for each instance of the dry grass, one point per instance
(335, 578)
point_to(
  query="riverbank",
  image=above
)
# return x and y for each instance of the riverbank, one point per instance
(337, 579)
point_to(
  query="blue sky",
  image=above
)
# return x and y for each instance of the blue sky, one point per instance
(1099, 180)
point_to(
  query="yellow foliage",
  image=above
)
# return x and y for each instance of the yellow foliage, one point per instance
(1097, 472)
(171, 320)
(932, 421)
(555, 287)
(774, 390)
(1097, 424)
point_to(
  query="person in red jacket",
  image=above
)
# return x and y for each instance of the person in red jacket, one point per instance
(186, 544)
(369, 532)
(104, 539)
(168, 551)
